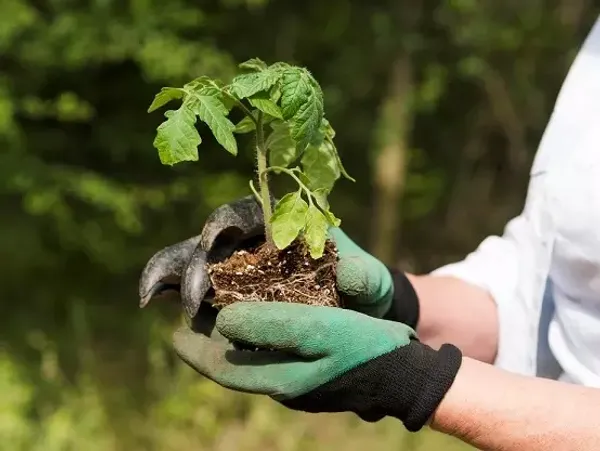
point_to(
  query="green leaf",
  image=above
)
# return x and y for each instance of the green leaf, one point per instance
(295, 91)
(288, 219)
(247, 85)
(339, 161)
(302, 104)
(199, 83)
(276, 94)
(327, 129)
(206, 86)
(282, 149)
(262, 101)
(246, 125)
(320, 165)
(315, 232)
(165, 96)
(325, 132)
(177, 139)
(320, 195)
(279, 66)
(254, 64)
(212, 111)
(227, 100)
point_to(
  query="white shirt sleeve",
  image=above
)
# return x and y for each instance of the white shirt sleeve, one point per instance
(512, 269)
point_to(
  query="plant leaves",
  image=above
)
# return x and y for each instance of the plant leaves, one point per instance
(320, 195)
(177, 139)
(198, 83)
(315, 232)
(295, 91)
(327, 129)
(339, 161)
(246, 125)
(302, 104)
(263, 102)
(279, 66)
(212, 111)
(165, 96)
(247, 85)
(288, 219)
(325, 132)
(206, 86)
(320, 166)
(254, 64)
(282, 149)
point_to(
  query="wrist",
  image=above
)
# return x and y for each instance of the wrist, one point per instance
(422, 376)
(404, 306)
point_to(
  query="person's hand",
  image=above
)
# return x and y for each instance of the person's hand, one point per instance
(323, 359)
(364, 283)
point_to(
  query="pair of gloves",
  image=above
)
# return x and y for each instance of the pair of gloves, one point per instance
(364, 358)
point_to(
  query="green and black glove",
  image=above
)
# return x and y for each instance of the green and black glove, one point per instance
(319, 359)
(324, 359)
(364, 283)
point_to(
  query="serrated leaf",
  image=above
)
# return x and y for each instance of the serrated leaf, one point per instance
(295, 91)
(282, 149)
(247, 85)
(320, 195)
(263, 102)
(279, 66)
(276, 94)
(327, 129)
(305, 123)
(198, 83)
(246, 125)
(320, 165)
(315, 232)
(254, 64)
(325, 132)
(165, 96)
(339, 162)
(177, 139)
(228, 101)
(288, 219)
(302, 104)
(206, 86)
(212, 112)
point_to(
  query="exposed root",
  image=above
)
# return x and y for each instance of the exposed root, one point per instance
(268, 275)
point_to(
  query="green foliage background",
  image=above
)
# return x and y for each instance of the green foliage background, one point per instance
(85, 200)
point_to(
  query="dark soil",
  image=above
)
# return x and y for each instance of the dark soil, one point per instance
(265, 274)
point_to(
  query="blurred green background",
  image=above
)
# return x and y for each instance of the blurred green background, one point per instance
(438, 105)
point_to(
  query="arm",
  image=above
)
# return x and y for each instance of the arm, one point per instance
(443, 304)
(483, 304)
(486, 408)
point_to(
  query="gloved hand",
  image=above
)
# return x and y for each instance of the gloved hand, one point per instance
(364, 283)
(324, 359)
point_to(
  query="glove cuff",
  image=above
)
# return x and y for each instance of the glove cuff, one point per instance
(404, 307)
(427, 380)
(408, 383)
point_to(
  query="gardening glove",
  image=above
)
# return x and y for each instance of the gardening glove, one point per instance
(324, 359)
(364, 283)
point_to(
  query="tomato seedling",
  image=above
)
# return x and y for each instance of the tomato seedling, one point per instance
(283, 107)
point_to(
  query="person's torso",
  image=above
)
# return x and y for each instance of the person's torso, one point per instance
(574, 185)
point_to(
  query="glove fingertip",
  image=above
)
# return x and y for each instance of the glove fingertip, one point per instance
(352, 276)
(232, 316)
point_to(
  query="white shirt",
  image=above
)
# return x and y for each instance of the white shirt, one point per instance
(544, 271)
